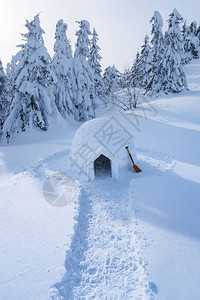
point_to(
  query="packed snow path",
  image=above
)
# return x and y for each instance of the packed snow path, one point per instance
(105, 260)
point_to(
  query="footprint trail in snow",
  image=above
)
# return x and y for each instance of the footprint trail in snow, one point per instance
(105, 260)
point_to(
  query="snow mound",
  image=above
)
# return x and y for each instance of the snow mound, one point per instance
(105, 136)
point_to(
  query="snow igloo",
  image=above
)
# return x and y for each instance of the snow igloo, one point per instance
(98, 148)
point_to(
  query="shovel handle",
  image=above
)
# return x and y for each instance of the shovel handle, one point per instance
(129, 154)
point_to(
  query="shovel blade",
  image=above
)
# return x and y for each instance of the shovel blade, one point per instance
(136, 168)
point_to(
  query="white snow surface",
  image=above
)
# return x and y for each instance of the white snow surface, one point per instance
(135, 238)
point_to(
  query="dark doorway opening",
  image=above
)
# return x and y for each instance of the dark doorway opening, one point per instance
(102, 166)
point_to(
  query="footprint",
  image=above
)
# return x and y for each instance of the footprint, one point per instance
(153, 287)
(135, 267)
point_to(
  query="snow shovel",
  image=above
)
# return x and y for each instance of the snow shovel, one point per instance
(135, 167)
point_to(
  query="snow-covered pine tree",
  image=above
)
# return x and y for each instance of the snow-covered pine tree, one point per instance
(157, 41)
(126, 78)
(174, 29)
(193, 28)
(195, 47)
(191, 41)
(10, 73)
(144, 64)
(84, 107)
(63, 69)
(112, 80)
(194, 40)
(186, 43)
(191, 36)
(198, 33)
(94, 61)
(135, 80)
(4, 102)
(184, 28)
(33, 102)
(175, 79)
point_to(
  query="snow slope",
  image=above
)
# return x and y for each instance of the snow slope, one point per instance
(136, 238)
(169, 204)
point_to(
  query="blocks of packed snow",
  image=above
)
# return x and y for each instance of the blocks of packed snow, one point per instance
(98, 145)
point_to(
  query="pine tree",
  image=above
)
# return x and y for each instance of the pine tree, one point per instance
(187, 43)
(4, 102)
(63, 69)
(10, 72)
(94, 61)
(184, 27)
(126, 78)
(144, 64)
(195, 47)
(111, 78)
(198, 33)
(135, 80)
(191, 41)
(175, 19)
(194, 40)
(193, 27)
(157, 41)
(84, 107)
(33, 102)
(175, 79)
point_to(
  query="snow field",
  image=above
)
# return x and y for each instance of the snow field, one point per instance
(136, 238)
(34, 235)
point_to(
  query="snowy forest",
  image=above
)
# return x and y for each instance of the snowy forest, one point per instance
(37, 89)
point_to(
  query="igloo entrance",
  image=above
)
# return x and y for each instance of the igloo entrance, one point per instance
(102, 166)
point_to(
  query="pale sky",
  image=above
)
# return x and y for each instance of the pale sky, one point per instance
(121, 24)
